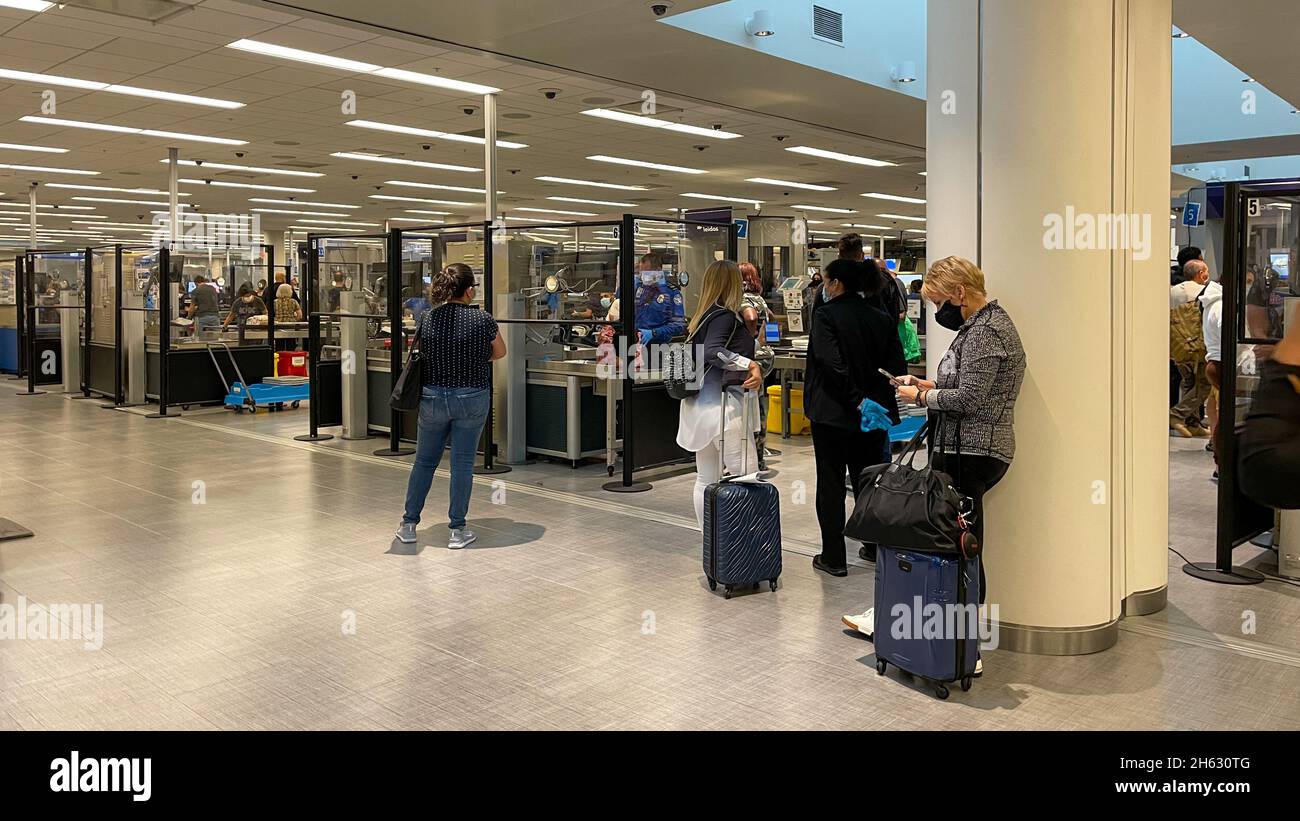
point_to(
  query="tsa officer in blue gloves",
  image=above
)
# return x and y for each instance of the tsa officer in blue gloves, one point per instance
(660, 314)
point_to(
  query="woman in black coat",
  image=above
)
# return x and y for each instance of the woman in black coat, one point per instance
(850, 343)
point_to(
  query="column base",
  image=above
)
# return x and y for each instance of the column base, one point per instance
(1057, 641)
(1145, 602)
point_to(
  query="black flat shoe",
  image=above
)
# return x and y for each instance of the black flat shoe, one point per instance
(867, 553)
(838, 572)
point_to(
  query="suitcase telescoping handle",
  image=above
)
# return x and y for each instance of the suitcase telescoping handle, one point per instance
(722, 435)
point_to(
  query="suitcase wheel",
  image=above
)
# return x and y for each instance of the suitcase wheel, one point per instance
(941, 691)
(713, 584)
(771, 583)
(296, 403)
(965, 683)
(726, 592)
(881, 666)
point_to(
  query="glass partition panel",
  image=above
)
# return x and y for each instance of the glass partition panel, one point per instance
(351, 277)
(671, 260)
(103, 300)
(558, 272)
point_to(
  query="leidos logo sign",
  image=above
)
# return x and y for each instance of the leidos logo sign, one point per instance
(77, 774)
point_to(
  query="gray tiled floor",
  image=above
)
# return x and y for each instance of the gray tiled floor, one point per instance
(230, 614)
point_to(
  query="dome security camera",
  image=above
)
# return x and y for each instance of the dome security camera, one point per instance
(425, 146)
(550, 93)
(781, 137)
(469, 110)
(207, 182)
(198, 162)
(660, 7)
(700, 147)
(717, 126)
(356, 176)
(239, 154)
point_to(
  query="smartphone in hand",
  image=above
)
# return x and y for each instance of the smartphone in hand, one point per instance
(893, 380)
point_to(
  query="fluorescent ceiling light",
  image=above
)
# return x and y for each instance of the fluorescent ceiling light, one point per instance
(25, 5)
(318, 229)
(529, 219)
(636, 119)
(341, 222)
(222, 166)
(722, 199)
(914, 230)
(41, 148)
(462, 189)
(415, 220)
(271, 50)
(836, 155)
(301, 213)
(303, 202)
(859, 225)
(121, 129)
(45, 170)
(356, 155)
(92, 85)
(422, 211)
(419, 199)
(679, 169)
(107, 188)
(594, 202)
(78, 217)
(127, 202)
(555, 211)
(22, 206)
(425, 132)
(358, 67)
(901, 217)
(788, 184)
(434, 80)
(922, 173)
(248, 185)
(570, 181)
(895, 197)
(823, 208)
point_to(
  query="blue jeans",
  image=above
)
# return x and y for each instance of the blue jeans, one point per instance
(457, 414)
(206, 322)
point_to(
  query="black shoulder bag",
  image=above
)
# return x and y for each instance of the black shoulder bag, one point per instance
(679, 371)
(913, 508)
(406, 390)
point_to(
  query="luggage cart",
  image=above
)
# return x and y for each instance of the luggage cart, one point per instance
(241, 396)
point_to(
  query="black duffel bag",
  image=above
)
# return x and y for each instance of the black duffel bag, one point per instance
(901, 505)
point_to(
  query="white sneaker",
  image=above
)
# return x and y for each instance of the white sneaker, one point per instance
(864, 623)
(460, 538)
(979, 668)
(406, 533)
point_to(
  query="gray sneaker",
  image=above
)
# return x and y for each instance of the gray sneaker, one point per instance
(460, 538)
(406, 533)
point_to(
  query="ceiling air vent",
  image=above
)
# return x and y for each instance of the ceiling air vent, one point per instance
(828, 25)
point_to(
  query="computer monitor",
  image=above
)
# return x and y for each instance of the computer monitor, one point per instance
(789, 284)
(772, 332)
(1280, 261)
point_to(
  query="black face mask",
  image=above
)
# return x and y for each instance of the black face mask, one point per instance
(949, 316)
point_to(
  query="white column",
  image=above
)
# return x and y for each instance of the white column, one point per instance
(173, 196)
(31, 219)
(1027, 125)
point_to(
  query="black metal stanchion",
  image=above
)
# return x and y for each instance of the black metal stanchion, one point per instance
(31, 354)
(396, 342)
(627, 353)
(313, 343)
(164, 330)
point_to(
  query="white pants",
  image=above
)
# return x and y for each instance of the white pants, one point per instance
(740, 457)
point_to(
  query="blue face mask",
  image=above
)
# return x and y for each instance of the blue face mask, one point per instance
(605, 302)
(826, 296)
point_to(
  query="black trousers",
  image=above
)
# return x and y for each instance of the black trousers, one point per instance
(836, 449)
(973, 476)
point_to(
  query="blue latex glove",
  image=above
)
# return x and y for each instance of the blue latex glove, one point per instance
(643, 336)
(874, 416)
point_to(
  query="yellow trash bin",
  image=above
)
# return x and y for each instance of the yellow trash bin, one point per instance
(798, 422)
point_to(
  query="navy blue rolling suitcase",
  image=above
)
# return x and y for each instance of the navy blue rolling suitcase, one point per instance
(742, 533)
(927, 618)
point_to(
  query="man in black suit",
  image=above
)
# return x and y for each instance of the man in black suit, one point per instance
(851, 341)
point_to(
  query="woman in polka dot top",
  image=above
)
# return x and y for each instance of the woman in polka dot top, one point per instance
(458, 343)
